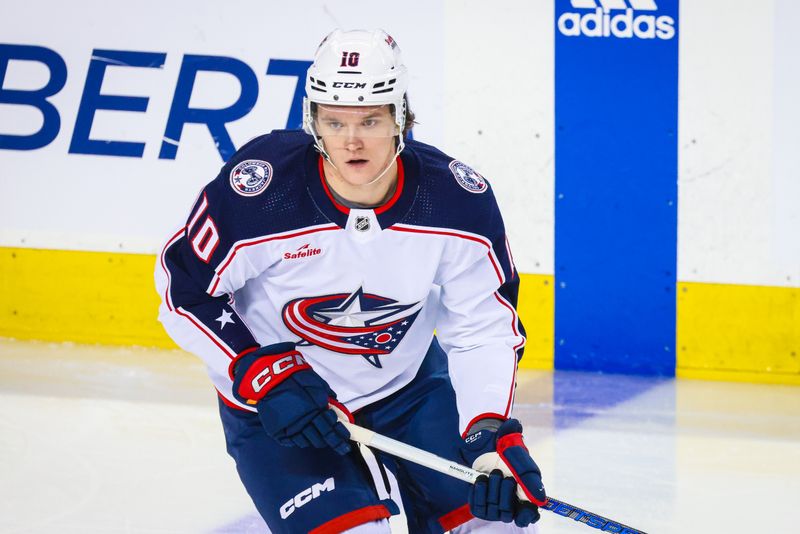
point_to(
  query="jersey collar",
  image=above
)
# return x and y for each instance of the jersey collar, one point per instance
(388, 214)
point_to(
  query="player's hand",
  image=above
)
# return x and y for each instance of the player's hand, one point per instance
(291, 399)
(513, 488)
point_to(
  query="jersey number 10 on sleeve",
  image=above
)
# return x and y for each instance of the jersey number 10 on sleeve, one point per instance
(205, 241)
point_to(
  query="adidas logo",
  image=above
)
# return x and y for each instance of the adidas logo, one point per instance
(602, 22)
(302, 252)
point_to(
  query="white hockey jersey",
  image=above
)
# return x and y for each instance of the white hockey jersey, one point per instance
(268, 255)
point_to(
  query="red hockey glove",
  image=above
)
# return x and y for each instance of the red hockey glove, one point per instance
(291, 399)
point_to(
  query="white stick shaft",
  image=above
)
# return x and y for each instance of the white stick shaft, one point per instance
(402, 450)
(359, 434)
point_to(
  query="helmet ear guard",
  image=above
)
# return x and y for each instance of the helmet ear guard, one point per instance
(308, 119)
(308, 127)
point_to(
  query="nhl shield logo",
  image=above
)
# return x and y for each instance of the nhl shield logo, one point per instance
(362, 223)
(251, 177)
(468, 178)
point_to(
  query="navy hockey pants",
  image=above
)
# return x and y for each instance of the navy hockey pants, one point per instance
(300, 490)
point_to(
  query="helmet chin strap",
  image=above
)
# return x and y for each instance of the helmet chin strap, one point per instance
(384, 171)
(400, 145)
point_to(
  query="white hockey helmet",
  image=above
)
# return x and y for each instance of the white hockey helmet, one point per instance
(356, 68)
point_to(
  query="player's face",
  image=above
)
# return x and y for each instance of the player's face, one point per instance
(359, 140)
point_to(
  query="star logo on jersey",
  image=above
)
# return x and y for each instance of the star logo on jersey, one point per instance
(355, 323)
(224, 319)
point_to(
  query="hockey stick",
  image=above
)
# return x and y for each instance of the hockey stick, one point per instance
(402, 450)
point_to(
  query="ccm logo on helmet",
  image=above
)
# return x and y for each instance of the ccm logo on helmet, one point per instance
(305, 496)
(350, 85)
(278, 367)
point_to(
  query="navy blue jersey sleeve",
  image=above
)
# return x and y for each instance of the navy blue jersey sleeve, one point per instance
(188, 263)
(257, 196)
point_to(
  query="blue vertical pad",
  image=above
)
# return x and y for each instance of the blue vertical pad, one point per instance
(616, 97)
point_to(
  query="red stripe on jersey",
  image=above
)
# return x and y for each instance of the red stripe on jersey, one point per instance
(497, 270)
(401, 178)
(237, 248)
(168, 244)
(418, 230)
(209, 335)
(469, 237)
(514, 320)
(457, 517)
(510, 257)
(353, 519)
(503, 301)
(500, 277)
(344, 209)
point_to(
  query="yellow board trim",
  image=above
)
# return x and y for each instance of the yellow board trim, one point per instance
(738, 333)
(109, 298)
(536, 307)
(724, 332)
(725, 375)
(85, 297)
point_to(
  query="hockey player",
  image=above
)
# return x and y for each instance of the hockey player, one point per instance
(313, 271)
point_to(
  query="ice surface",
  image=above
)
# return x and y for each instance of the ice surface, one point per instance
(118, 440)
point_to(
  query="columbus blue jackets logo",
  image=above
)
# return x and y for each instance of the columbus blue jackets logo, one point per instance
(355, 323)
(468, 178)
(251, 177)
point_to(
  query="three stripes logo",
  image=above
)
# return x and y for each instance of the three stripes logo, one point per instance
(626, 19)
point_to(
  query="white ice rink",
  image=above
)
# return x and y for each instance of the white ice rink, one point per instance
(114, 440)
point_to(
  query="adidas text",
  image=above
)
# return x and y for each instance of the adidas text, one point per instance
(305, 496)
(625, 25)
